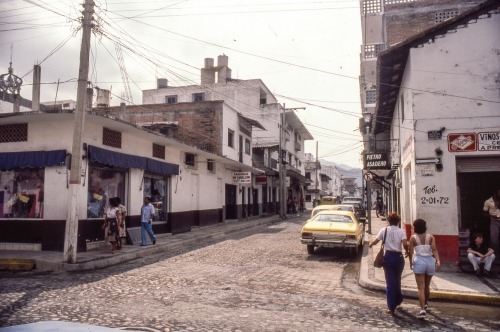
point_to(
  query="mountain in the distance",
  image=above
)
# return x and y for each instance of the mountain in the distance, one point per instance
(346, 171)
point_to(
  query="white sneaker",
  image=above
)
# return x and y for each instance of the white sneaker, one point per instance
(421, 314)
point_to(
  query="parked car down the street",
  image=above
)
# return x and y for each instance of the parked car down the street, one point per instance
(320, 208)
(333, 229)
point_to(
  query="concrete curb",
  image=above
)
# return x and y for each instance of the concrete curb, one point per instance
(365, 282)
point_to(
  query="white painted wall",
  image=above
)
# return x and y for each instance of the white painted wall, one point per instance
(464, 63)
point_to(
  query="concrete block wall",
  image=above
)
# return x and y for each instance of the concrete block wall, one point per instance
(407, 19)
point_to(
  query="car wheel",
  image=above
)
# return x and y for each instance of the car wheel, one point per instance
(310, 249)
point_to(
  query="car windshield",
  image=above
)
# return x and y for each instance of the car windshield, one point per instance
(333, 218)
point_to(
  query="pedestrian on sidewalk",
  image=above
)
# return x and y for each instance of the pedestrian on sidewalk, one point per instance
(121, 215)
(111, 223)
(479, 254)
(379, 207)
(492, 209)
(147, 213)
(394, 263)
(424, 260)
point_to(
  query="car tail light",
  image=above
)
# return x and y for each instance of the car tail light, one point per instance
(351, 237)
(307, 235)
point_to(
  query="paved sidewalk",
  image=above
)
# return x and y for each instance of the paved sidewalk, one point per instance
(448, 284)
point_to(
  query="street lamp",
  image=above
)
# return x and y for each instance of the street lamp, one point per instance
(367, 119)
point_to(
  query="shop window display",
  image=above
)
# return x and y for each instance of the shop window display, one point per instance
(156, 188)
(104, 183)
(21, 193)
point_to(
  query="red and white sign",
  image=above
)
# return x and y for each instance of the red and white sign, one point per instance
(242, 177)
(462, 142)
(260, 179)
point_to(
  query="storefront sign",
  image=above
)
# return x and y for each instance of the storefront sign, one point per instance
(434, 135)
(261, 179)
(242, 177)
(462, 142)
(376, 161)
(427, 169)
(489, 141)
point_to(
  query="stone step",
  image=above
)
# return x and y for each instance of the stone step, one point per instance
(17, 264)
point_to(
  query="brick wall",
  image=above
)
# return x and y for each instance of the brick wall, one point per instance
(198, 124)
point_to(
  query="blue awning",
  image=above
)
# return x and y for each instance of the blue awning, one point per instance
(162, 167)
(31, 159)
(117, 159)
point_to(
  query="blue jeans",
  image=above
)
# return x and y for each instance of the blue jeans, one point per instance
(393, 269)
(146, 227)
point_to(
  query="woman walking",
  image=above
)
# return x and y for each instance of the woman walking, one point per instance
(424, 264)
(395, 239)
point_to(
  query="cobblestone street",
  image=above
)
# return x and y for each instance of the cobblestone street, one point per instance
(262, 280)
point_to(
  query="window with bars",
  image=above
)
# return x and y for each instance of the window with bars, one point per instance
(198, 97)
(158, 151)
(247, 146)
(230, 138)
(111, 138)
(372, 6)
(440, 17)
(370, 96)
(190, 160)
(16, 132)
(211, 165)
(170, 99)
(372, 51)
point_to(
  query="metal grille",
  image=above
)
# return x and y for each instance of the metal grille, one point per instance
(158, 151)
(443, 16)
(395, 2)
(111, 138)
(370, 96)
(17, 132)
(372, 51)
(372, 7)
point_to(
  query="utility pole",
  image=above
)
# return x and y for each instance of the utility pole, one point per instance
(75, 180)
(316, 176)
(282, 172)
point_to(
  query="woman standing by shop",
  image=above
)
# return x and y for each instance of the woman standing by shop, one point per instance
(111, 223)
(395, 239)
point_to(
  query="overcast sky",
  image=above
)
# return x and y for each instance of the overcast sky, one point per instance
(306, 52)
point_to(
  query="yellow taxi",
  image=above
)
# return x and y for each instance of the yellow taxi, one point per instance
(333, 229)
(320, 208)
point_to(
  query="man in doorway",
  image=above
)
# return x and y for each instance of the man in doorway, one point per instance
(147, 213)
(492, 209)
(479, 254)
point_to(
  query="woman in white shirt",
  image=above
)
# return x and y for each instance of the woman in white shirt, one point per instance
(425, 263)
(394, 262)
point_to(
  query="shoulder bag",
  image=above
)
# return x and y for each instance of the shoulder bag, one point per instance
(379, 259)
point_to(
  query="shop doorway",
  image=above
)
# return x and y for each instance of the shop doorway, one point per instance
(474, 188)
(231, 201)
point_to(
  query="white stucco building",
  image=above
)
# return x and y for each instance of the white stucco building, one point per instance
(438, 100)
